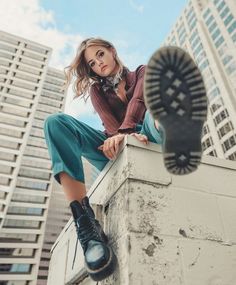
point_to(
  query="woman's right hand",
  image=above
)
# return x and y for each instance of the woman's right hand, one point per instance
(110, 146)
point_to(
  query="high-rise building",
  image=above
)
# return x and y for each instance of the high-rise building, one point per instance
(58, 215)
(29, 92)
(33, 207)
(207, 30)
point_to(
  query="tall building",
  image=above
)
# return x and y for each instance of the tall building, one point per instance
(58, 215)
(207, 30)
(33, 207)
(29, 92)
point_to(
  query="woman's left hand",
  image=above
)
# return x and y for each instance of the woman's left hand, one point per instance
(142, 138)
(110, 146)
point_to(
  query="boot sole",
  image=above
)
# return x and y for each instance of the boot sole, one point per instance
(106, 270)
(175, 94)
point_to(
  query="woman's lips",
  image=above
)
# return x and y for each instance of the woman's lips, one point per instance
(104, 67)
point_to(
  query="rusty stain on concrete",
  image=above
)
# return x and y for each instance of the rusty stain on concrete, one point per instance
(182, 233)
(150, 249)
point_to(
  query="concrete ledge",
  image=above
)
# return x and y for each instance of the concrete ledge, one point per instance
(164, 229)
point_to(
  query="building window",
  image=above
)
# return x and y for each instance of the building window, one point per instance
(15, 268)
(28, 224)
(209, 20)
(207, 143)
(28, 198)
(204, 65)
(212, 153)
(232, 27)
(206, 13)
(220, 117)
(216, 34)
(228, 20)
(229, 143)
(200, 57)
(232, 156)
(227, 59)
(212, 27)
(219, 103)
(225, 129)
(222, 4)
(225, 12)
(216, 2)
(219, 42)
(25, 211)
(193, 36)
(205, 130)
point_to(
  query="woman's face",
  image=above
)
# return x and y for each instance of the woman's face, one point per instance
(101, 60)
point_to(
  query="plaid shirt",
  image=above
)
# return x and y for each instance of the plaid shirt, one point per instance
(117, 116)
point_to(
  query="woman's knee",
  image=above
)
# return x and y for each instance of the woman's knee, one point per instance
(55, 120)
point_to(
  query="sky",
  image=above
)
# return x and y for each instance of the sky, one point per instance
(136, 28)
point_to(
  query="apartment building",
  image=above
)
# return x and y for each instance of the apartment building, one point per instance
(29, 92)
(207, 30)
(33, 207)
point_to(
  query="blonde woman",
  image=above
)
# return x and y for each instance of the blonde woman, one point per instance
(176, 99)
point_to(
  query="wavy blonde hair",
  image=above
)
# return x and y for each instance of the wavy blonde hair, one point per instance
(84, 76)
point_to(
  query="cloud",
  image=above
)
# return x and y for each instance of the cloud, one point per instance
(137, 7)
(29, 20)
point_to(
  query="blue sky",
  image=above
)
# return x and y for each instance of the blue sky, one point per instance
(136, 28)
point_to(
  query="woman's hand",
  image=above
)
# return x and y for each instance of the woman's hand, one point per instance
(142, 138)
(110, 146)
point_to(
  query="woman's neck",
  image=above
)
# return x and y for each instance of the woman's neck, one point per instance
(116, 70)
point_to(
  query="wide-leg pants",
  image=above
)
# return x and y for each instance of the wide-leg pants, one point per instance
(69, 140)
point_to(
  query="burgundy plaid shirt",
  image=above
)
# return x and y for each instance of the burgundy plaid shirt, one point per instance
(117, 116)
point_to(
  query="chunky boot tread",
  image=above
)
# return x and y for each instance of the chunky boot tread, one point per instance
(175, 94)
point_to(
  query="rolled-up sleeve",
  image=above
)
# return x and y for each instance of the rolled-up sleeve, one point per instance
(136, 107)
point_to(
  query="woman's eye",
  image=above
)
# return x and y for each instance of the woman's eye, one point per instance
(101, 54)
(92, 64)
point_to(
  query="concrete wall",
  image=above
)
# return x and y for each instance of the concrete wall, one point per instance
(165, 230)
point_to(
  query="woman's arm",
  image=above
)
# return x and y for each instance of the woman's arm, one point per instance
(136, 107)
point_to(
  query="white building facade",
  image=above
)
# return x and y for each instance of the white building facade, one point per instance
(29, 92)
(207, 30)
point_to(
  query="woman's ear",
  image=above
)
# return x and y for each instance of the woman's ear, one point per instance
(113, 52)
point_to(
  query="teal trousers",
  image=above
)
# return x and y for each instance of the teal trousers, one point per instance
(69, 140)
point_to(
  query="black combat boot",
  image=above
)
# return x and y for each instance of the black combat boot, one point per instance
(99, 257)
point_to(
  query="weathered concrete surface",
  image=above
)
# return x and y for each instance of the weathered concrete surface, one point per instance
(165, 230)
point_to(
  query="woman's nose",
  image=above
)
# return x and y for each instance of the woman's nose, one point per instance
(99, 61)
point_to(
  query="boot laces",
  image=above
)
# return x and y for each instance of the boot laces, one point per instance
(85, 233)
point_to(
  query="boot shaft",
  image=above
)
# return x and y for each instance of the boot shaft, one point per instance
(76, 209)
(87, 208)
(87, 227)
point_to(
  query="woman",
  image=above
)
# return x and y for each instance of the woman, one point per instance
(117, 96)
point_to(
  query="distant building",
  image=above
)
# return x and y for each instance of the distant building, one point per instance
(207, 29)
(29, 92)
(33, 207)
